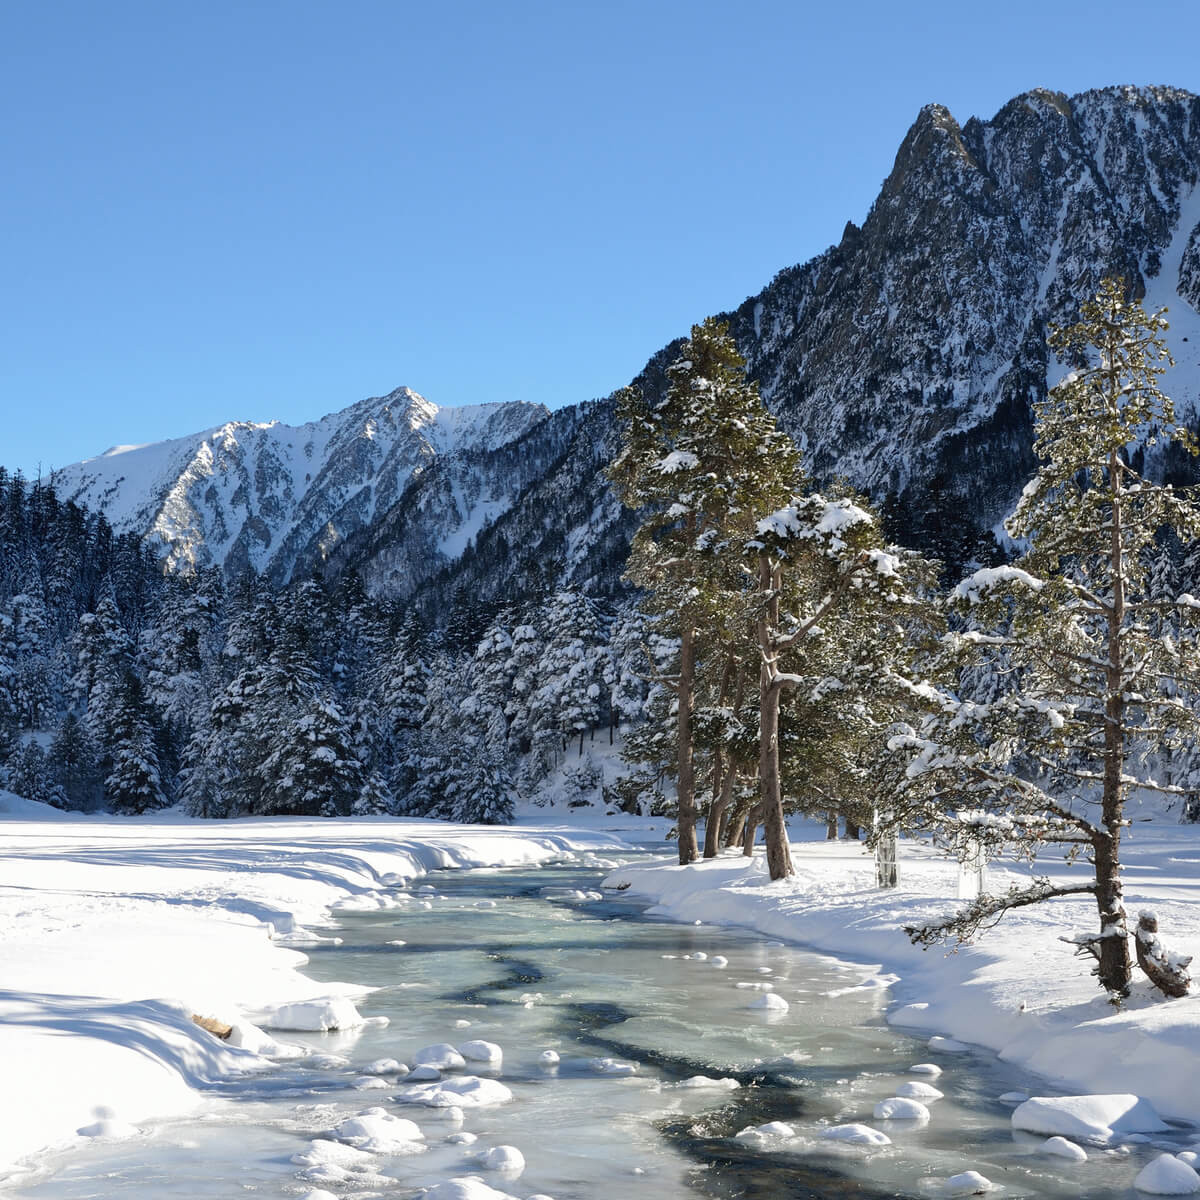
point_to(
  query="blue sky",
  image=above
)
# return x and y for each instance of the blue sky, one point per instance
(272, 209)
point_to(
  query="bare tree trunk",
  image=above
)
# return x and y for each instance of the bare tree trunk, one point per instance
(737, 824)
(724, 774)
(831, 826)
(752, 819)
(779, 855)
(686, 821)
(853, 831)
(1115, 968)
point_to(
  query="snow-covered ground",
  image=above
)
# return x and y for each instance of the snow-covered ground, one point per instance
(114, 932)
(1018, 990)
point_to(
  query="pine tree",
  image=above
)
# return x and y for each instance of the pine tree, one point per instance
(133, 783)
(73, 761)
(699, 464)
(1088, 677)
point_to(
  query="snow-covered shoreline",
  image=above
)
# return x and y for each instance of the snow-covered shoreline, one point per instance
(113, 932)
(1018, 991)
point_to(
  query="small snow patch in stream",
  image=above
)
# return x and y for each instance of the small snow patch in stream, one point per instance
(1092, 1118)
(925, 1069)
(464, 1187)
(948, 1045)
(967, 1183)
(376, 1131)
(423, 1074)
(314, 1016)
(1061, 1148)
(898, 1108)
(468, 1091)
(913, 1090)
(484, 1052)
(385, 1066)
(771, 1002)
(442, 1055)
(508, 1160)
(772, 1132)
(706, 1081)
(856, 1135)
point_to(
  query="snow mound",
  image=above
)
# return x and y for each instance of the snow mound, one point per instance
(109, 1126)
(506, 1159)
(1061, 1148)
(899, 1108)
(377, 1132)
(249, 1037)
(769, 1002)
(918, 1091)
(1167, 1176)
(719, 961)
(772, 1131)
(549, 1058)
(612, 1066)
(925, 1069)
(314, 1016)
(856, 1135)
(1094, 1118)
(442, 1055)
(468, 1091)
(967, 1183)
(465, 1187)
(707, 1081)
(369, 1083)
(948, 1045)
(384, 1066)
(423, 1075)
(318, 1194)
(485, 1052)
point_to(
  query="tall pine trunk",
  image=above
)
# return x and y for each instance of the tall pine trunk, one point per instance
(689, 851)
(724, 772)
(779, 855)
(1115, 967)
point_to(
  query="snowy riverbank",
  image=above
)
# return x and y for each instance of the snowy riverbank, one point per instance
(1019, 991)
(113, 932)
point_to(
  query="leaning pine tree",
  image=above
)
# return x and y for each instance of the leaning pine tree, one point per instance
(700, 463)
(1097, 669)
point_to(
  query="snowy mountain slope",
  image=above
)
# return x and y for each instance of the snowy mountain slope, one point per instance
(277, 497)
(904, 359)
(906, 356)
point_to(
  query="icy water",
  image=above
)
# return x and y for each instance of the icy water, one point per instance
(512, 957)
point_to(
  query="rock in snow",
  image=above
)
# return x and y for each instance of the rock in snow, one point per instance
(925, 1069)
(1167, 1176)
(769, 1002)
(919, 1091)
(465, 1187)
(1093, 1118)
(378, 1132)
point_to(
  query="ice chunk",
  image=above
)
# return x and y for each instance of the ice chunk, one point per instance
(967, 1183)
(1061, 1148)
(1014, 1097)
(706, 1081)
(384, 1066)
(442, 1055)
(718, 960)
(423, 1074)
(856, 1135)
(612, 1066)
(1096, 1118)
(485, 904)
(467, 1091)
(925, 1069)
(1167, 1176)
(913, 1090)
(462, 1138)
(506, 1159)
(772, 1131)
(485, 1052)
(314, 1016)
(898, 1108)
(549, 1058)
(318, 1194)
(368, 1083)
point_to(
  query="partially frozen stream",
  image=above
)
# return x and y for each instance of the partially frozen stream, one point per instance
(594, 981)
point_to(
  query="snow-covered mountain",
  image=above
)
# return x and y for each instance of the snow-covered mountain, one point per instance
(904, 359)
(278, 497)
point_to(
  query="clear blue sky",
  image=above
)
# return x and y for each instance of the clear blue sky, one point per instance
(261, 209)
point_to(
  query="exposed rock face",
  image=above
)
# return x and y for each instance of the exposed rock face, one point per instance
(904, 359)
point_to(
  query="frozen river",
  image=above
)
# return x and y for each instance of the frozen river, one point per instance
(634, 1010)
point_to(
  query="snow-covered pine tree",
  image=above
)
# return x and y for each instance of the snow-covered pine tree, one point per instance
(834, 603)
(699, 463)
(133, 783)
(73, 761)
(1087, 678)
